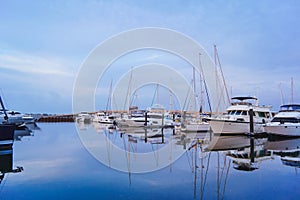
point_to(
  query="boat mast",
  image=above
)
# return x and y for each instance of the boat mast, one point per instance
(4, 110)
(128, 96)
(292, 90)
(171, 96)
(201, 88)
(109, 96)
(204, 82)
(221, 71)
(281, 93)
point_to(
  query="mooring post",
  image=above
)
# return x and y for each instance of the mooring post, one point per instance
(162, 136)
(146, 135)
(251, 121)
(252, 149)
(146, 118)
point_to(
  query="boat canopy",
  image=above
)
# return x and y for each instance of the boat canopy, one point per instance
(241, 98)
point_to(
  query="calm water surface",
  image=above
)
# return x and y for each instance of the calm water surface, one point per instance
(56, 165)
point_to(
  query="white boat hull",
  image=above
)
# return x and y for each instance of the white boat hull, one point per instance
(233, 127)
(196, 127)
(287, 129)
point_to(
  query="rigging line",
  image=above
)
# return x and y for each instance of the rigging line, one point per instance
(292, 90)
(186, 99)
(205, 85)
(108, 146)
(223, 170)
(218, 176)
(201, 175)
(128, 95)
(226, 177)
(128, 164)
(186, 153)
(109, 96)
(154, 96)
(222, 74)
(281, 93)
(195, 172)
(201, 93)
(208, 99)
(206, 172)
(3, 97)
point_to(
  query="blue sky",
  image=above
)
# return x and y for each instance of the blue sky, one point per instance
(43, 44)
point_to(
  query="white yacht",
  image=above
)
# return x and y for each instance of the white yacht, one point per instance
(237, 118)
(101, 117)
(17, 118)
(154, 117)
(286, 122)
(83, 117)
(151, 119)
(194, 124)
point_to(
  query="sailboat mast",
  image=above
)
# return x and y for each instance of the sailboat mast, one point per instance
(281, 93)
(204, 82)
(109, 96)
(128, 96)
(171, 96)
(292, 90)
(221, 71)
(201, 89)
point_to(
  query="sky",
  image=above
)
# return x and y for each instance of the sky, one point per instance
(44, 43)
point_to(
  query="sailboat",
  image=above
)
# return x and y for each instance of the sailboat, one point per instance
(195, 123)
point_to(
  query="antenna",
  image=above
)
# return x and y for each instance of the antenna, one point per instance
(292, 90)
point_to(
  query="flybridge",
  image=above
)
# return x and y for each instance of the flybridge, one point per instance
(242, 99)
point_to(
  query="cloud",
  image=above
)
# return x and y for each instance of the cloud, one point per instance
(30, 64)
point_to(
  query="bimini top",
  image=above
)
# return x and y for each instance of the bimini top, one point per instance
(290, 107)
(244, 98)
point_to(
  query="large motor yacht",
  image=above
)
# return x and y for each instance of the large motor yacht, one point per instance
(237, 118)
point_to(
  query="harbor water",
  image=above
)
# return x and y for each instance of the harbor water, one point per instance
(65, 161)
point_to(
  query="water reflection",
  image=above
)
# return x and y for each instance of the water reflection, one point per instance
(244, 152)
(140, 149)
(7, 151)
(214, 161)
(288, 149)
(6, 161)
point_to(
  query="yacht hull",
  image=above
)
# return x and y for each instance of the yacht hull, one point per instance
(283, 129)
(234, 127)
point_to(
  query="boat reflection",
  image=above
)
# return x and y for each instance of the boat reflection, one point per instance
(287, 148)
(215, 156)
(135, 149)
(6, 161)
(245, 152)
(7, 138)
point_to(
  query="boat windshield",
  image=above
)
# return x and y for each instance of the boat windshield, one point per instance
(290, 107)
(237, 112)
(286, 119)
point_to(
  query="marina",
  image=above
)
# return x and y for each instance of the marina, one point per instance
(143, 100)
(210, 167)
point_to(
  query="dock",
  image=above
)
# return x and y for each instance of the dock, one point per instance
(57, 118)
